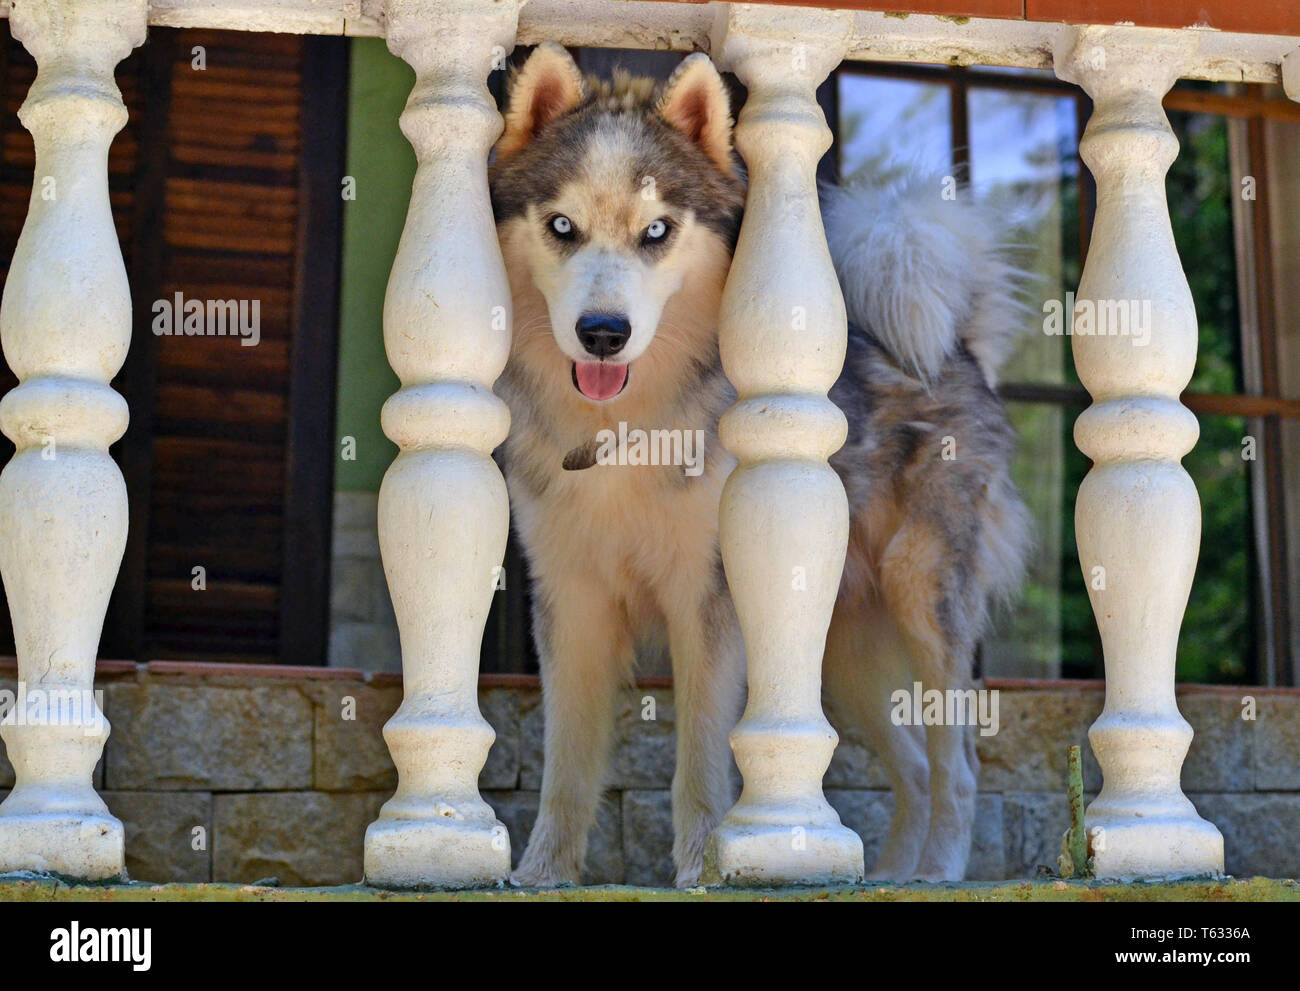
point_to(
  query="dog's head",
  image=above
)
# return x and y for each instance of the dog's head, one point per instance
(609, 196)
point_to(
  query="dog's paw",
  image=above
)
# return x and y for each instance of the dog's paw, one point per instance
(688, 877)
(539, 875)
(544, 879)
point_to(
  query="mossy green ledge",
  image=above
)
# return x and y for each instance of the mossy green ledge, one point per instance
(43, 888)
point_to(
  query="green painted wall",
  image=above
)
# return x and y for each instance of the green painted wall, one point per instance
(383, 165)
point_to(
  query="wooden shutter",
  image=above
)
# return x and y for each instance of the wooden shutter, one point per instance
(209, 186)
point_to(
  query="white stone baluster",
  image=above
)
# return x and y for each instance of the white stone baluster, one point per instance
(1290, 69)
(65, 323)
(1138, 518)
(443, 512)
(784, 514)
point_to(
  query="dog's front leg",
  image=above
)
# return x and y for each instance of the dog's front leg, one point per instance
(708, 693)
(586, 655)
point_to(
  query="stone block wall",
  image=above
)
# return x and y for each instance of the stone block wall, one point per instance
(232, 773)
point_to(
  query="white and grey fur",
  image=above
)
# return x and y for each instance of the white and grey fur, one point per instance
(619, 554)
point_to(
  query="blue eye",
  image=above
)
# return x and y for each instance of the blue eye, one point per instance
(657, 230)
(562, 225)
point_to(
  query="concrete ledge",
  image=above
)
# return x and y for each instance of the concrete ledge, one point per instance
(37, 888)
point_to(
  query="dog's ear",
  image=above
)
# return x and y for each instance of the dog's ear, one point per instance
(695, 101)
(547, 87)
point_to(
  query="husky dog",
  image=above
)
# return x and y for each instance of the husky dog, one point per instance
(618, 206)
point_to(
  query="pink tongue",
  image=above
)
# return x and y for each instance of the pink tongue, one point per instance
(598, 380)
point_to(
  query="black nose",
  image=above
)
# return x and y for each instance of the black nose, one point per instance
(603, 334)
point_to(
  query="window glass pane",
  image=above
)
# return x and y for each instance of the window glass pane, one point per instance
(1217, 642)
(1200, 209)
(891, 126)
(1218, 638)
(1021, 141)
(1023, 159)
(1025, 639)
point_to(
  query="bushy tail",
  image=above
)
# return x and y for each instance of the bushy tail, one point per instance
(922, 272)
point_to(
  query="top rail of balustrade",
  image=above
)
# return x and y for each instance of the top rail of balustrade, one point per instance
(1240, 40)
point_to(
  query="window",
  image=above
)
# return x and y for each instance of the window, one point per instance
(1012, 136)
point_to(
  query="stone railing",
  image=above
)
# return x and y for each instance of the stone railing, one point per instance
(65, 326)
